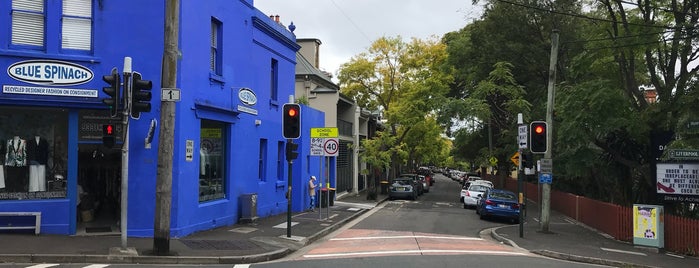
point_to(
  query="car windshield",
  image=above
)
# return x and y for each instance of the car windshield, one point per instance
(502, 195)
(402, 182)
(478, 188)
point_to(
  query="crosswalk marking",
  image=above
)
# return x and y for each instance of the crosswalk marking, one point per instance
(44, 265)
(96, 266)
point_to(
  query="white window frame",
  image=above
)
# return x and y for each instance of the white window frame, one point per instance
(76, 25)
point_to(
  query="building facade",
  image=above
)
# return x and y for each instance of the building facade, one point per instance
(235, 71)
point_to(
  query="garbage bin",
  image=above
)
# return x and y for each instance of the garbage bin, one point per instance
(332, 196)
(384, 187)
(323, 196)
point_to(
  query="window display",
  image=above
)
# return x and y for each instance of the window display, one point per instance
(32, 153)
(212, 151)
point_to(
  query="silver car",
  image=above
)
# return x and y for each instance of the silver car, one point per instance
(473, 193)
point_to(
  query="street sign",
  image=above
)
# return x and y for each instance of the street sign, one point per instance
(317, 146)
(324, 132)
(545, 178)
(515, 158)
(170, 94)
(331, 147)
(546, 165)
(684, 154)
(522, 138)
(493, 161)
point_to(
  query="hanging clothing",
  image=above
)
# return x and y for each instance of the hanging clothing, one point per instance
(38, 151)
(16, 155)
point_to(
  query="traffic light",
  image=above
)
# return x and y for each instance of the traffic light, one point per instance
(527, 160)
(538, 130)
(291, 152)
(108, 139)
(113, 91)
(140, 95)
(291, 122)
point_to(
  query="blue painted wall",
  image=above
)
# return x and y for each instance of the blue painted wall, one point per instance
(251, 40)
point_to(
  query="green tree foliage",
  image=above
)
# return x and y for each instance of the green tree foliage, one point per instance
(402, 80)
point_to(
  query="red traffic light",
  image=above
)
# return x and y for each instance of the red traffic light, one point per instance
(539, 129)
(293, 112)
(108, 130)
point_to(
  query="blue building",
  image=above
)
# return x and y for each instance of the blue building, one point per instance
(235, 71)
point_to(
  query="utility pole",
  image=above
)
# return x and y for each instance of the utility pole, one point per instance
(546, 188)
(163, 194)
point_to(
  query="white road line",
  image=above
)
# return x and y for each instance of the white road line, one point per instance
(624, 251)
(44, 265)
(412, 252)
(674, 255)
(283, 225)
(405, 236)
(356, 205)
(241, 266)
(96, 266)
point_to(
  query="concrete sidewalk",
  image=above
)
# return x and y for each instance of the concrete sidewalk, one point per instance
(571, 240)
(263, 240)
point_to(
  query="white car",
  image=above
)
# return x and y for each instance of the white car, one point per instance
(473, 193)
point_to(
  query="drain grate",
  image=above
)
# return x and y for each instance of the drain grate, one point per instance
(220, 244)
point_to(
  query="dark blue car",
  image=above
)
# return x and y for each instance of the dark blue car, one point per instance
(498, 203)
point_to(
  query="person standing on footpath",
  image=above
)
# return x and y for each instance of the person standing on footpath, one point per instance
(312, 191)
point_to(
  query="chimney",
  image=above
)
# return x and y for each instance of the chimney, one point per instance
(276, 18)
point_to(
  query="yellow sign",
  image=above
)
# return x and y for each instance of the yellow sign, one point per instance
(645, 221)
(493, 161)
(211, 133)
(324, 132)
(515, 158)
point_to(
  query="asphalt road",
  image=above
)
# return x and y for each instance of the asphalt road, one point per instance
(433, 231)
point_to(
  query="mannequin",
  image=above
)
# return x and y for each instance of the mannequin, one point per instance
(16, 164)
(37, 156)
(2, 168)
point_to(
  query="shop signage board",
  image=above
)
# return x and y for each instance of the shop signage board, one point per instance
(677, 178)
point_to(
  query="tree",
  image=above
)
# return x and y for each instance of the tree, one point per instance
(402, 80)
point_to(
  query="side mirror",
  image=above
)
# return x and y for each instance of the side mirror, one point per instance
(480, 195)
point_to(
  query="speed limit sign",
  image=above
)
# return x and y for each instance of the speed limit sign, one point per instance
(331, 146)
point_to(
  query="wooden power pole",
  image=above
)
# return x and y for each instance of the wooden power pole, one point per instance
(163, 194)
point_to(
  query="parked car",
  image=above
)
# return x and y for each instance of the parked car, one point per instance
(498, 203)
(429, 175)
(425, 183)
(416, 182)
(402, 188)
(473, 193)
(483, 182)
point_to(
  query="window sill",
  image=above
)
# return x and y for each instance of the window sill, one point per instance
(44, 55)
(216, 79)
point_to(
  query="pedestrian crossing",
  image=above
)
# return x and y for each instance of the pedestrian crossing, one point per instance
(48, 265)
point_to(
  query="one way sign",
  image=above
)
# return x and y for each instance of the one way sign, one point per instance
(522, 137)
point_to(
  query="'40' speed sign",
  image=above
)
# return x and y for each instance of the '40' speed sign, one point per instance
(331, 146)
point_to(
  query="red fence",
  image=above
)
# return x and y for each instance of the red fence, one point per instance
(681, 234)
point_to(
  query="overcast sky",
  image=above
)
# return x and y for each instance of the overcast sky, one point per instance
(347, 27)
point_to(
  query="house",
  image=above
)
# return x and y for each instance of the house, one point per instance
(354, 124)
(234, 73)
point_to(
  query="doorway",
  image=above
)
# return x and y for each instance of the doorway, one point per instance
(99, 190)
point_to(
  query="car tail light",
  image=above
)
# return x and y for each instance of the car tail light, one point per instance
(467, 193)
(490, 203)
(515, 206)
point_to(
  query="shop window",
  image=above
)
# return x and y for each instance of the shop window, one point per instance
(212, 168)
(33, 153)
(30, 23)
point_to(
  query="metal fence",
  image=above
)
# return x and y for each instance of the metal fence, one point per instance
(681, 234)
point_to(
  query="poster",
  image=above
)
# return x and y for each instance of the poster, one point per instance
(645, 222)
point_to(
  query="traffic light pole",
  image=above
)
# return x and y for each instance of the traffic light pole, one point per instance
(546, 188)
(125, 155)
(288, 194)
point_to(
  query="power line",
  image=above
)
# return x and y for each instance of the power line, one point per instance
(641, 44)
(350, 20)
(619, 37)
(660, 8)
(580, 15)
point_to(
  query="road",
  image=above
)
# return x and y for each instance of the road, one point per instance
(433, 231)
